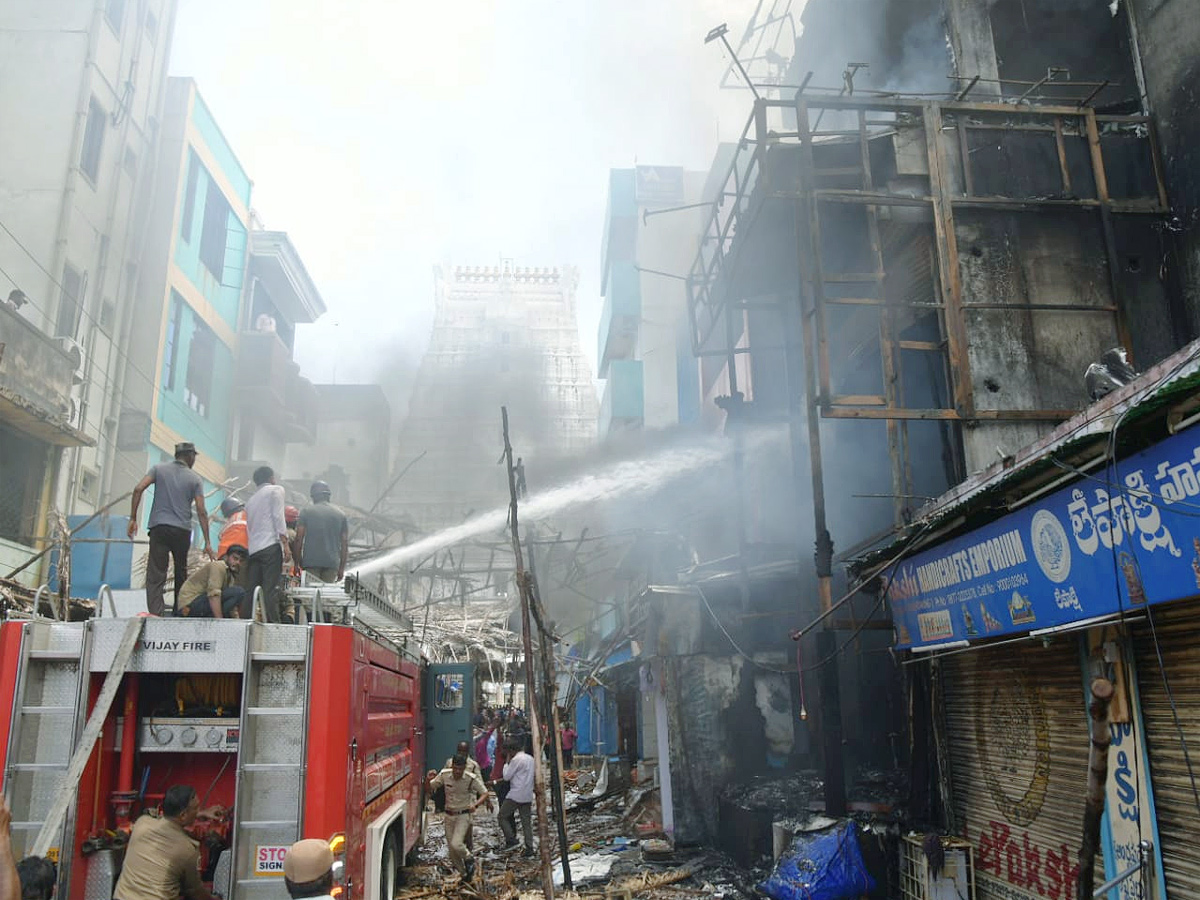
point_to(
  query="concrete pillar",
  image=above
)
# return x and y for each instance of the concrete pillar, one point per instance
(974, 47)
(664, 760)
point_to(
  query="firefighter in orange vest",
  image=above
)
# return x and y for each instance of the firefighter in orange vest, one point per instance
(233, 532)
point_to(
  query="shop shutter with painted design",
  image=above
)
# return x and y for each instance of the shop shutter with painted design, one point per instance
(1017, 730)
(1175, 804)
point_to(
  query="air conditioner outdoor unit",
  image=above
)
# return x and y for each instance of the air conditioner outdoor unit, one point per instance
(955, 881)
(73, 416)
(71, 347)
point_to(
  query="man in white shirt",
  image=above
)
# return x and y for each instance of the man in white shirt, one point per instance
(266, 530)
(518, 772)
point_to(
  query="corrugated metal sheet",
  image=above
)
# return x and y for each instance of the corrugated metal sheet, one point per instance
(1175, 804)
(1018, 735)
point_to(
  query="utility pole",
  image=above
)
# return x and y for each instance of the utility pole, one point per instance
(550, 694)
(523, 585)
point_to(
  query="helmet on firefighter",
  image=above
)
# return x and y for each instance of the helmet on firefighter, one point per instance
(230, 505)
(291, 515)
(319, 489)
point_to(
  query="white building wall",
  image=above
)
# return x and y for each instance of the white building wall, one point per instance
(666, 242)
(55, 59)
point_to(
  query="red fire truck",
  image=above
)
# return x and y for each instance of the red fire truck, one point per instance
(285, 732)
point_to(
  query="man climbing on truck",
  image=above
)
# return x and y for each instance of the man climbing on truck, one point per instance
(176, 488)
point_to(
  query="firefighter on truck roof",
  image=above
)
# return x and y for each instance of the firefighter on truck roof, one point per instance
(322, 536)
(161, 861)
(212, 590)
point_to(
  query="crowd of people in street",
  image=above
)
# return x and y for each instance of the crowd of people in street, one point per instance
(500, 763)
(263, 543)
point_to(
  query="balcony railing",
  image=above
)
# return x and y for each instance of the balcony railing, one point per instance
(36, 374)
(269, 389)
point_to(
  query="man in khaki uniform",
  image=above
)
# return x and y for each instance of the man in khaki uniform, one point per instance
(464, 794)
(463, 750)
(308, 870)
(212, 590)
(161, 861)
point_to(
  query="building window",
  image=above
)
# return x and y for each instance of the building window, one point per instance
(214, 233)
(151, 25)
(201, 361)
(70, 302)
(93, 140)
(108, 314)
(22, 471)
(246, 441)
(89, 483)
(129, 162)
(189, 197)
(171, 350)
(114, 14)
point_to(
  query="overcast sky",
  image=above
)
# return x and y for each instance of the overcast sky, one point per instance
(386, 136)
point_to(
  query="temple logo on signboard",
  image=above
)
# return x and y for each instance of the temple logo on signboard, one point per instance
(1050, 546)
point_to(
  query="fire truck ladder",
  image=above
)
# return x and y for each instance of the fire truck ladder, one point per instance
(270, 764)
(44, 773)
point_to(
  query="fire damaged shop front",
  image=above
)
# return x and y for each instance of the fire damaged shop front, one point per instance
(1049, 634)
(734, 706)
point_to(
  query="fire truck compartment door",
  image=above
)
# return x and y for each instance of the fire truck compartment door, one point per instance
(376, 833)
(174, 645)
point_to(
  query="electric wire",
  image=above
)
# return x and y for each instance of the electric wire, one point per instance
(1132, 401)
(106, 382)
(1140, 493)
(1114, 466)
(893, 565)
(107, 441)
(740, 652)
(120, 352)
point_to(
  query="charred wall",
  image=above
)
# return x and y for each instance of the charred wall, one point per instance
(729, 718)
(1168, 37)
(1082, 37)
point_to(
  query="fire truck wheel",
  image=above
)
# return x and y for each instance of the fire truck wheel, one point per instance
(391, 865)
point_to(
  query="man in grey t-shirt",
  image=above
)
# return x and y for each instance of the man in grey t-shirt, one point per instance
(322, 536)
(176, 488)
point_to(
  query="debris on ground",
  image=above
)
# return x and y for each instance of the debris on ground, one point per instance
(618, 850)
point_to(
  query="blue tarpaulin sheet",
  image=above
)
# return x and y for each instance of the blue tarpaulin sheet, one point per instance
(826, 866)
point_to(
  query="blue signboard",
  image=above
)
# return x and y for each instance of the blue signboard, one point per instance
(1111, 542)
(658, 184)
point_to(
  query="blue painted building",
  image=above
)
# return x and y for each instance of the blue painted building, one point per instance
(217, 304)
(190, 300)
(596, 713)
(644, 345)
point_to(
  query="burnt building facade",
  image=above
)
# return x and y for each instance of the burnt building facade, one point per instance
(939, 214)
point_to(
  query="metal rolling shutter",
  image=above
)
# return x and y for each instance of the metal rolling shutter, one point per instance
(1178, 633)
(1018, 735)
